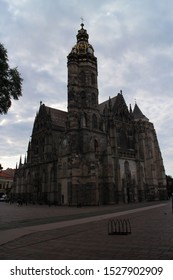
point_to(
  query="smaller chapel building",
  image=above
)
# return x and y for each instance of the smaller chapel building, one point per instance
(94, 153)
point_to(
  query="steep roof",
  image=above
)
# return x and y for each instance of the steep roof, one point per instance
(117, 107)
(106, 103)
(138, 115)
(58, 117)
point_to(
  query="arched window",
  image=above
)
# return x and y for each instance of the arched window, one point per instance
(82, 77)
(84, 120)
(92, 79)
(123, 141)
(94, 121)
(96, 146)
(93, 98)
(83, 98)
(127, 170)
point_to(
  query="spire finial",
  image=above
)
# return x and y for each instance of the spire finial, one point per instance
(82, 24)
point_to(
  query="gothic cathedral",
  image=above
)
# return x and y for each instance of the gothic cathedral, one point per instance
(94, 153)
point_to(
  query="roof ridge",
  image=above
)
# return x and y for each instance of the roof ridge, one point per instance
(55, 109)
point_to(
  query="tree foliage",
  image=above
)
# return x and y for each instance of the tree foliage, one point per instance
(10, 82)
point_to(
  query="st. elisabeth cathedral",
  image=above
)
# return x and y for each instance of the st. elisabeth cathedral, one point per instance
(94, 153)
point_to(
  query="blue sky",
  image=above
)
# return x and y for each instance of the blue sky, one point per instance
(133, 41)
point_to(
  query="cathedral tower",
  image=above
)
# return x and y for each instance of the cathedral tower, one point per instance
(84, 123)
(82, 81)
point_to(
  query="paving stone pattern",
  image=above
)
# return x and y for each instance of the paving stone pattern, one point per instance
(151, 238)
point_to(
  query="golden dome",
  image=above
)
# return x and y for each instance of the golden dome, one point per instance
(82, 46)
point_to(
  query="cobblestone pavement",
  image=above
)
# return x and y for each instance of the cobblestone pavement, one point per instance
(84, 233)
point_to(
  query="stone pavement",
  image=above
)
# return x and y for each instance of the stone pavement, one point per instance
(39, 232)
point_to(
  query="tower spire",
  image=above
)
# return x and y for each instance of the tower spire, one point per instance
(82, 23)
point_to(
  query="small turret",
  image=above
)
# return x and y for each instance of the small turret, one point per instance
(138, 115)
(20, 162)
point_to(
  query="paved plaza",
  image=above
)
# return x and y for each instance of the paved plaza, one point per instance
(39, 232)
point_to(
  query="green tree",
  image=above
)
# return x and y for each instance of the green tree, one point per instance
(10, 82)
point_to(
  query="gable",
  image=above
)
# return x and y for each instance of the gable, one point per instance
(115, 106)
(49, 117)
(107, 104)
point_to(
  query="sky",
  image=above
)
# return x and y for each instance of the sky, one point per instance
(133, 42)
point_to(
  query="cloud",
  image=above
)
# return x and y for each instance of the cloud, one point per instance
(133, 42)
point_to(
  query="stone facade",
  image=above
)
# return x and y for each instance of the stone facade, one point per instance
(93, 153)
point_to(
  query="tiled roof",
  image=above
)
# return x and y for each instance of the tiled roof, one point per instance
(103, 104)
(58, 117)
(7, 174)
(137, 114)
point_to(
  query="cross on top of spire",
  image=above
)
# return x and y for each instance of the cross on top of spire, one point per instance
(82, 24)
